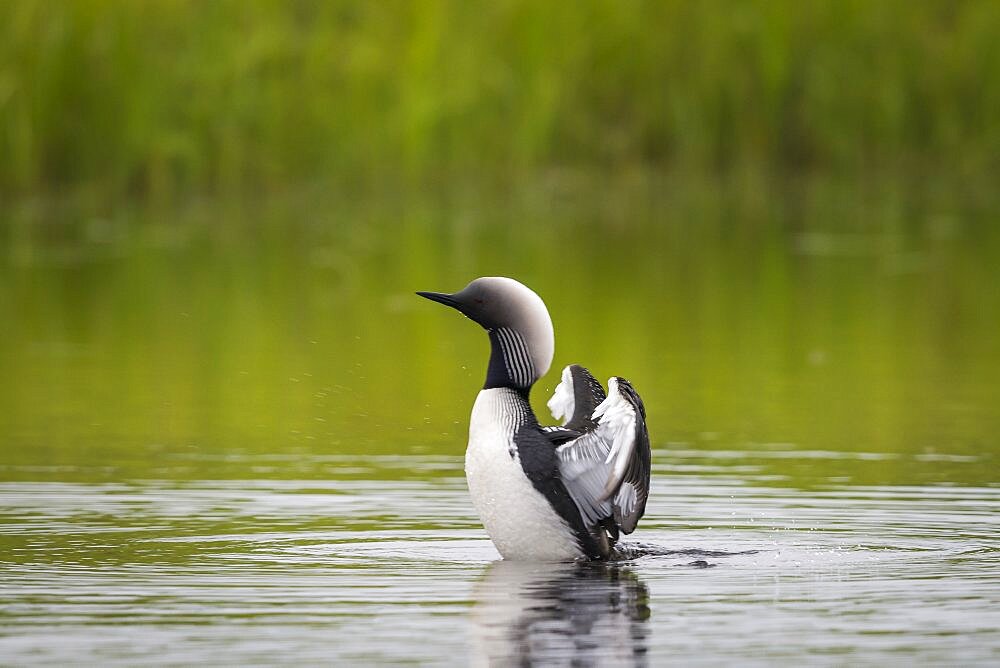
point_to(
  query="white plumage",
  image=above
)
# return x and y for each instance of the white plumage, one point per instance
(519, 520)
(561, 404)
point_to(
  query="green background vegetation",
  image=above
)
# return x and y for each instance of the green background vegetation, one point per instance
(778, 219)
(166, 98)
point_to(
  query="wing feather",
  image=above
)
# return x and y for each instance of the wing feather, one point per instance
(575, 398)
(606, 469)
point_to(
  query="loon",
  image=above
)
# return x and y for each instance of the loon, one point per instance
(553, 493)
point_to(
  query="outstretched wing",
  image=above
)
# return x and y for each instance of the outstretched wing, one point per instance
(606, 468)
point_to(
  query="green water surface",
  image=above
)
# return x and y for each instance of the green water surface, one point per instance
(813, 317)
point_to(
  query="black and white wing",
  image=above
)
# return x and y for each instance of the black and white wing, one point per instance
(575, 399)
(606, 467)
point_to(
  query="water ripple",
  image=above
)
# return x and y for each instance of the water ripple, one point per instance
(728, 564)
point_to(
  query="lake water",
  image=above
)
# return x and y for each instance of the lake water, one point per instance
(385, 563)
(233, 435)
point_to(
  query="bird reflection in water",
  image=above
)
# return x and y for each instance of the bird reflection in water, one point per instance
(576, 614)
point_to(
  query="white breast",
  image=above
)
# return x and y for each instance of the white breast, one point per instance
(518, 519)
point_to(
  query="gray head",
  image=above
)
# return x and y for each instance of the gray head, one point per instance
(518, 323)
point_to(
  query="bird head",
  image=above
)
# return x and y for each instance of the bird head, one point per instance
(516, 319)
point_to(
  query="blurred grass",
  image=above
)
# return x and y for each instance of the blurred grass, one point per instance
(159, 100)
